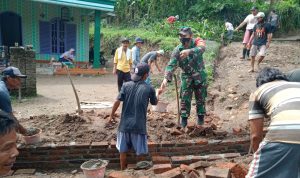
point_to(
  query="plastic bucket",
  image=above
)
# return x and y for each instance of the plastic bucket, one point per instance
(92, 170)
(33, 139)
(160, 107)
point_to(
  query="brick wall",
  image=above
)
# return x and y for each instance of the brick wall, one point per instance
(52, 156)
(24, 59)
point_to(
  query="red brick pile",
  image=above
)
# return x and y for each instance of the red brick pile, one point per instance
(208, 166)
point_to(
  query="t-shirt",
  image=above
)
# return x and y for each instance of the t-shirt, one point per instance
(251, 21)
(135, 55)
(152, 56)
(123, 64)
(294, 75)
(68, 55)
(261, 31)
(229, 26)
(279, 101)
(5, 104)
(171, 19)
(135, 97)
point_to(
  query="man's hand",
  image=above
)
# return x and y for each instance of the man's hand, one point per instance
(114, 71)
(236, 29)
(163, 86)
(248, 45)
(185, 53)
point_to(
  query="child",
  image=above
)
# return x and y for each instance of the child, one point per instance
(135, 95)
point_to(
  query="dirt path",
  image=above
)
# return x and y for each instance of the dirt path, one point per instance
(233, 84)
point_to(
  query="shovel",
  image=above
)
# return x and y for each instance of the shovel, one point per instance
(75, 92)
(177, 99)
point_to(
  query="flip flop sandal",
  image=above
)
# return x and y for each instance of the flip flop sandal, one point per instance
(143, 165)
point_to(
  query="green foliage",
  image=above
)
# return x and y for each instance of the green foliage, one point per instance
(289, 13)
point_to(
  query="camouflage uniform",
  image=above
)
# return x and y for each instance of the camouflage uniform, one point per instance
(193, 76)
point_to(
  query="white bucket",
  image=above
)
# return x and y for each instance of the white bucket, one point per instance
(160, 107)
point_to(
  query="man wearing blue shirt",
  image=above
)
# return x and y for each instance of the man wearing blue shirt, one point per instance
(132, 131)
(11, 79)
(136, 51)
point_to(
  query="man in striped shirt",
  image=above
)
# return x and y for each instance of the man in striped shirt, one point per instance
(277, 155)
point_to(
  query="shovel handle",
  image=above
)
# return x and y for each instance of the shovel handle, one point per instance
(177, 99)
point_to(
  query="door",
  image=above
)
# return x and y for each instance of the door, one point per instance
(10, 29)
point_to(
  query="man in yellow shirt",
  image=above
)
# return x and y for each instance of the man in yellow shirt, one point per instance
(122, 63)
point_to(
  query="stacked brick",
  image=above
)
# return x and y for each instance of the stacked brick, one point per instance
(24, 59)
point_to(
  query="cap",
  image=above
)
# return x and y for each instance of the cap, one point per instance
(140, 70)
(161, 52)
(260, 14)
(72, 49)
(124, 40)
(13, 72)
(185, 31)
(254, 8)
(138, 40)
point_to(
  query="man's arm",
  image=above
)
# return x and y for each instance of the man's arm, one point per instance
(242, 24)
(170, 69)
(270, 35)
(134, 56)
(198, 49)
(114, 109)
(256, 132)
(115, 62)
(153, 97)
(157, 66)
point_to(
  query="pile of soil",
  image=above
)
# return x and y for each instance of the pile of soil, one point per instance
(32, 131)
(92, 126)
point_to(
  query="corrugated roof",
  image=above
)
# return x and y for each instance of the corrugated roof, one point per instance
(103, 5)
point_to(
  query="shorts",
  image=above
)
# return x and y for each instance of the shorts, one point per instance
(229, 35)
(273, 29)
(275, 160)
(127, 141)
(247, 36)
(258, 50)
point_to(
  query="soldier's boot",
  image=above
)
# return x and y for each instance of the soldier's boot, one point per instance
(200, 120)
(184, 121)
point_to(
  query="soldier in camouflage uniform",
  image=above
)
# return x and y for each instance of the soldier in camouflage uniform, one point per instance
(188, 56)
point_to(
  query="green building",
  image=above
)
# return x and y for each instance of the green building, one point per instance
(53, 26)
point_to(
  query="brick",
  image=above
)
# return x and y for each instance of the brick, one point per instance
(236, 130)
(201, 142)
(24, 171)
(167, 144)
(200, 164)
(153, 145)
(131, 166)
(237, 170)
(112, 144)
(214, 172)
(118, 174)
(185, 168)
(186, 143)
(231, 155)
(99, 145)
(181, 159)
(194, 174)
(173, 173)
(214, 157)
(191, 125)
(175, 132)
(160, 168)
(161, 160)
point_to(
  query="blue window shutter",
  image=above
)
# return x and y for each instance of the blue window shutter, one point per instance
(70, 37)
(45, 37)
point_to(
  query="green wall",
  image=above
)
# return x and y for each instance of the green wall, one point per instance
(30, 14)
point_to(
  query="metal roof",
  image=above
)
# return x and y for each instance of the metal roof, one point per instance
(102, 5)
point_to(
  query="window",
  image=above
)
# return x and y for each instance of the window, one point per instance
(57, 36)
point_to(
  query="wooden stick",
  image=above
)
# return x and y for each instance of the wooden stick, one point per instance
(177, 99)
(75, 92)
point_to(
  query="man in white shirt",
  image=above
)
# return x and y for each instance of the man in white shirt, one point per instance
(68, 56)
(250, 20)
(229, 32)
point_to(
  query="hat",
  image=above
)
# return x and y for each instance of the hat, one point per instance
(254, 8)
(72, 49)
(140, 70)
(139, 40)
(124, 40)
(260, 14)
(161, 52)
(13, 72)
(185, 31)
